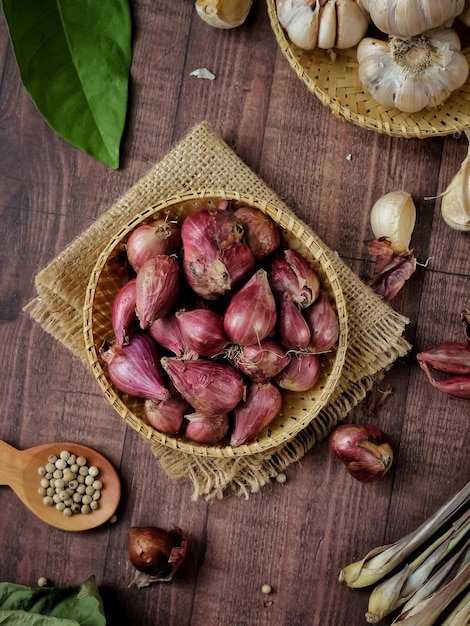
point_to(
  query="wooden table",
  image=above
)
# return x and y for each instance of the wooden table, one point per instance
(296, 536)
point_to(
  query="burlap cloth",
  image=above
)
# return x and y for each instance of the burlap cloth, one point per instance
(203, 160)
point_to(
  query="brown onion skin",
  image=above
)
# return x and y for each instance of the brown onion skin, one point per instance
(203, 331)
(364, 450)
(263, 403)
(251, 314)
(260, 361)
(324, 325)
(151, 547)
(261, 233)
(210, 387)
(123, 314)
(291, 276)
(301, 374)
(161, 236)
(135, 369)
(158, 286)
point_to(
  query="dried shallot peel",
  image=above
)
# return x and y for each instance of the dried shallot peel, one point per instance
(450, 358)
(391, 269)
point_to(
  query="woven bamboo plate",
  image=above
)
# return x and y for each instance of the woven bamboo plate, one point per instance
(298, 408)
(336, 83)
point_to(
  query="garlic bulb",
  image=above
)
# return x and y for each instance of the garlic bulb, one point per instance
(223, 13)
(465, 15)
(455, 205)
(412, 73)
(393, 216)
(412, 17)
(323, 24)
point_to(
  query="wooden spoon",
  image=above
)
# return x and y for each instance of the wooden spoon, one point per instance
(19, 470)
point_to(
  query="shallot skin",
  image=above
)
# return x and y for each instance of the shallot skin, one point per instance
(161, 236)
(207, 430)
(263, 403)
(301, 374)
(210, 265)
(291, 276)
(251, 314)
(166, 416)
(260, 361)
(364, 450)
(203, 331)
(210, 387)
(135, 369)
(158, 286)
(261, 233)
(324, 325)
(123, 313)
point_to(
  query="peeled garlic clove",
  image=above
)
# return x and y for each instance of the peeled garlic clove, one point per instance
(393, 216)
(223, 13)
(455, 204)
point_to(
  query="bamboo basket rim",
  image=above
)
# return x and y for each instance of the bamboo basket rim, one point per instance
(272, 436)
(336, 84)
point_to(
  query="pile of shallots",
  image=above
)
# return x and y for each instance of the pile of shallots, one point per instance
(215, 320)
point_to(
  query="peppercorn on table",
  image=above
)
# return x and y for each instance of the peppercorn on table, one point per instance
(259, 539)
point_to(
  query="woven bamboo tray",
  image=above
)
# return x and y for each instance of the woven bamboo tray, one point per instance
(298, 409)
(335, 81)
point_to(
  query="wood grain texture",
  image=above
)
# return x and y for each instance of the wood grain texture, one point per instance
(295, 536)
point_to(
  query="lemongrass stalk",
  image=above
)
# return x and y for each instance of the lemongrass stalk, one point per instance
(460, 616)
(393, 592)
(382, 560)
(396, 590)
(426, 612)
(441, 577)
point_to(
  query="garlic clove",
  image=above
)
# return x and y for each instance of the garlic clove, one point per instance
(223, 14)
(327, 27)
(300, 18)
(455, 204)
(393, 216)
(352, 22)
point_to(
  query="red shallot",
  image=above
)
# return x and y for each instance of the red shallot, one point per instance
(291, 276)
(167, 332)
(263, 403)
(166, 416)
(158, 286)
(161, 236)
(324, 325)
(155, 553)
(135, 369)
(251, 314)
(206, 234)
(301, 374)
(261, 232)
(210, 387)
(259, 361)
(207, 429)
(364, 449)
(203, 331)
(123, 314)
(293, 329)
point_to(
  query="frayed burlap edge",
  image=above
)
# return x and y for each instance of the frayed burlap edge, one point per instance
(203, 160)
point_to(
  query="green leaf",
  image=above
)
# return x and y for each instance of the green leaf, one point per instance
(51, 606)
(74, 58)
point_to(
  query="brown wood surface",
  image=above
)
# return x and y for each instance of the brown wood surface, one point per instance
(296, 536)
